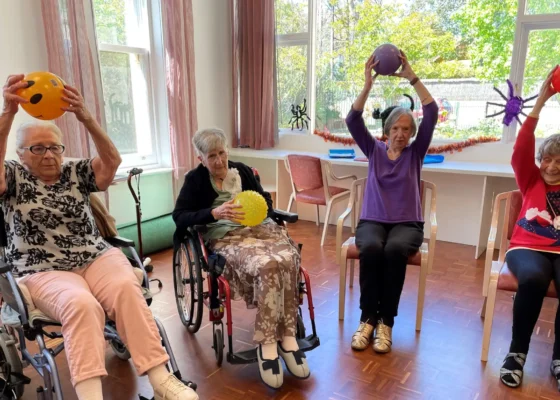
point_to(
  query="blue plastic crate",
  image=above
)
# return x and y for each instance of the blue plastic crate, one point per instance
(342, 153)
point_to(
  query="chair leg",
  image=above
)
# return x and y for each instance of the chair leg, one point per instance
(317, 220)
(353, 220)
(290, 202)
(326, 223)
(421, 293)
(342, 285)
(491, 302)
(352, 273)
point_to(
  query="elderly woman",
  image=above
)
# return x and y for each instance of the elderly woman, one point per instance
(391, 224)
(534, 252)
(72, 274)
(262, 262)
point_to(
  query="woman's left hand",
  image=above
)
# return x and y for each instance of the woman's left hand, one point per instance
(406, 71)
(77, 104)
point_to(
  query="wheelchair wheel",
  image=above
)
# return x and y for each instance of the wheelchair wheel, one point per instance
(300, 327)
(187, 277)
(120, 350)
(10, 355)
(219, 346)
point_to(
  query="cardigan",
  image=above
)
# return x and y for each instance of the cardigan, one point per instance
(194, 204)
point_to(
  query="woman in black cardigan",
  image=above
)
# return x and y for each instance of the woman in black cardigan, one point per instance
(262, 261)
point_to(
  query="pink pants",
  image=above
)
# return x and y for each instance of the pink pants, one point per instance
(80, 298)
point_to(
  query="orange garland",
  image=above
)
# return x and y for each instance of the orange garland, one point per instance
(446, 148)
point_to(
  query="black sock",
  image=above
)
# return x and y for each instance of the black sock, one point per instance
(389, 321)
(368, 317)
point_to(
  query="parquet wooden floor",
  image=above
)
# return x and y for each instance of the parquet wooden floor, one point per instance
(440, 362)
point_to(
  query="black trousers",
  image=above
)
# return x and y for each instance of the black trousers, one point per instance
(384, 251)
(534, 270)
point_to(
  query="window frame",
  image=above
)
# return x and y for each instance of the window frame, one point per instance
(150, 60)
(525, 24)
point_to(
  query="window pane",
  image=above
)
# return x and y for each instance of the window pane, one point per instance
(122, 22)
(291, 16)
(291, 85)
(126, 107)
(540, 60)
(542, 7)
(459, 48)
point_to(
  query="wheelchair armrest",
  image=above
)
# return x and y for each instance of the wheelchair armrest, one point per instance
(5, 268)
(202, 229)
(284, 216)
(119, 241)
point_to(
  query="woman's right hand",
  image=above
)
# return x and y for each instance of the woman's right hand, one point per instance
(229, 211)
(11, 99)
(370, 79)
(547, 91)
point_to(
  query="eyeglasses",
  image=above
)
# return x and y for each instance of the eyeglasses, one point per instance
(40, 150)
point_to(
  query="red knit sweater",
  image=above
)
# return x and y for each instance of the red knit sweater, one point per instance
(535, 225)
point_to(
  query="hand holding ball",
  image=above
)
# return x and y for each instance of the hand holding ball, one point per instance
(253, 205)
(44, 93)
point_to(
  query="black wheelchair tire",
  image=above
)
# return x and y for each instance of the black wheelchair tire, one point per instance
(120, 350)
(219, 346)
(300, 327)
(191, 313)
(10, 355)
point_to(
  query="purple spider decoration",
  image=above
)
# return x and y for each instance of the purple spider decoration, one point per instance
(513, 107)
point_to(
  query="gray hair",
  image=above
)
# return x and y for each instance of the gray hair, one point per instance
(25, 128)
(550, 146)
(394, 117)
(208, 139)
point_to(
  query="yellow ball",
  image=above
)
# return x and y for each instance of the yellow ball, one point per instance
(44, 93)
(253, 205)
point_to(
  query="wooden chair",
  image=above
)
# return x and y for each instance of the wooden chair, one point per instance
(423, 258)
(497, 275)
(310, 184)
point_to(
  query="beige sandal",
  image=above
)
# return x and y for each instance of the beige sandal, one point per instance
(383, 338)
(362, 337)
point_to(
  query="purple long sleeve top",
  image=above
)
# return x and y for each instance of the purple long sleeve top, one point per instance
(392, 193)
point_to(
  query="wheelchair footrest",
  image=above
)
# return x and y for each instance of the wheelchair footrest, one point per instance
(250, 356)
(309, 343)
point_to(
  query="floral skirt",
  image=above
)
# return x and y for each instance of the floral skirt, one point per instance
(262, 268)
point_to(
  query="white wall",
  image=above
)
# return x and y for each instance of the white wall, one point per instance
(22, 49)
(212, 46)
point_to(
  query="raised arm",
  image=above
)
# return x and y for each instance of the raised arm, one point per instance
(355, 120)
(523, 157)
(107, 162)
(429, 107)
(9, 110)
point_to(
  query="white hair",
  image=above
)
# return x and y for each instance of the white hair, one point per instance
(208, 139)
(394, 117)
(25, 128)
(550, 147)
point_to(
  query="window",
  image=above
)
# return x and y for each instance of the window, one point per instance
(462, 50)
(292, 55)
(124, 37)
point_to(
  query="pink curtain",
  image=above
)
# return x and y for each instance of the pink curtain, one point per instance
(178, 38)
(254, 110)
(72, 55)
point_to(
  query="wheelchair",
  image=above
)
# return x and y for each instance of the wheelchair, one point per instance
(32, 326)
(193, 264)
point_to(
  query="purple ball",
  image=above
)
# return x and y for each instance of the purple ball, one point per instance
(388, 57)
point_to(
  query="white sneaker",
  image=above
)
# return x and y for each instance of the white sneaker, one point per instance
(173, 389)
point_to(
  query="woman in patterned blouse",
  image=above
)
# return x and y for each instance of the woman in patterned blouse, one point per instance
(72, 274)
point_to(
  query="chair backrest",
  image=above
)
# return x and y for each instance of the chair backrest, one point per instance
(105, 222)
(306, 172)
(513, 202)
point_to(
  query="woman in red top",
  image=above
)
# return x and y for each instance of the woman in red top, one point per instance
(534, 253)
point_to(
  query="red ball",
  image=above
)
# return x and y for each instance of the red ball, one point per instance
(556, 80)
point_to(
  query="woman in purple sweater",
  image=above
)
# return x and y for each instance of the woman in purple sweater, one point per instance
(391, 224)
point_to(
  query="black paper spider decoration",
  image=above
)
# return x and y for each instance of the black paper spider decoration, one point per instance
(513, 107)
(299, 114)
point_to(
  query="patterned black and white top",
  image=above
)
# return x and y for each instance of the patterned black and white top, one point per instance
(50, 227)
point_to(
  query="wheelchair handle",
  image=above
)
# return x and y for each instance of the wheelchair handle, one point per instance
(5, 268)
